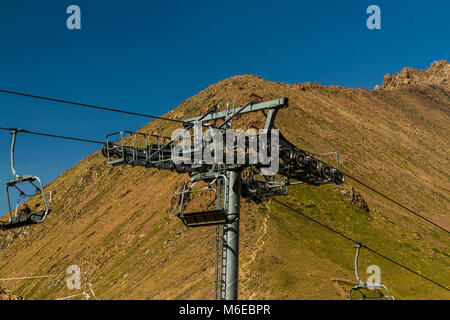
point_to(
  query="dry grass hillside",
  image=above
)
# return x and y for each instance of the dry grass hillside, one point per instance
(119, 225)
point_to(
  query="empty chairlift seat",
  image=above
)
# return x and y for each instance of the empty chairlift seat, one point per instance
(22, 215)
(26, 216)
(202, 202)
(205, 218)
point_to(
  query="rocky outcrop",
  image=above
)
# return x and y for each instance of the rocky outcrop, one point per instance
(356, 198)
(437, 75)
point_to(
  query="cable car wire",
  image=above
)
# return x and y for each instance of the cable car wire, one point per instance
(348, 175)
(52, 135)
(181, 121)
(89, 106)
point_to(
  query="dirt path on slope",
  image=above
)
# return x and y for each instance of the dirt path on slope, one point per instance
(260, 242)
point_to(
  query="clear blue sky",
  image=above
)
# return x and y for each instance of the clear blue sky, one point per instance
(148, 56)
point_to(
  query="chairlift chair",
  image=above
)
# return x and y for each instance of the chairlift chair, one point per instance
(363, 285)
(216, 184)
(15, 219)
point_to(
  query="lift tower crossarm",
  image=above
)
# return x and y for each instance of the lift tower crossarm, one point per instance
(273, 104)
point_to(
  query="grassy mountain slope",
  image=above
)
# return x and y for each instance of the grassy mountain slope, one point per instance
(118, 224)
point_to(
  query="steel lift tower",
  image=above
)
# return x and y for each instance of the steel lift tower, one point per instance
(227, 181)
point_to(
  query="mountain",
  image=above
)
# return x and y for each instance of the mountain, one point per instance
(119, 225)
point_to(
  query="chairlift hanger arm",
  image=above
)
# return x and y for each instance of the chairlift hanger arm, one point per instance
(13, 146)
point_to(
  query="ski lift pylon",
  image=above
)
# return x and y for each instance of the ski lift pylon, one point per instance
(15, 219)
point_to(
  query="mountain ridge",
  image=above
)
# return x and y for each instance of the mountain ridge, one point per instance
(438, 74)
(118, 224)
